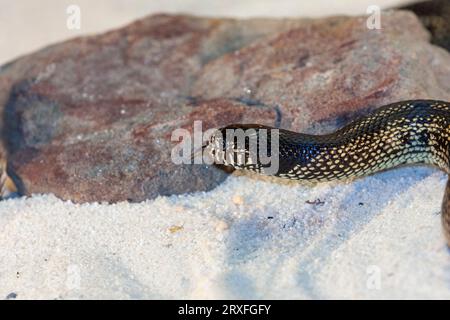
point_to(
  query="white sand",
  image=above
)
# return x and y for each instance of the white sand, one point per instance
(221, 244)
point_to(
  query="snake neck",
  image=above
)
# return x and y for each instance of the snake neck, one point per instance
(403, 133)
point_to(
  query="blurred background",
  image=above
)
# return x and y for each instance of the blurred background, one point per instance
(26, 25)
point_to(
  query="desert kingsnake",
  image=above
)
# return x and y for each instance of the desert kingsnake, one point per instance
(407, 132)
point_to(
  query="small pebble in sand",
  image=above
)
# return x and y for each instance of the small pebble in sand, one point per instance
(316, 202)
(238, 200)
(174, 229)
(221, 226)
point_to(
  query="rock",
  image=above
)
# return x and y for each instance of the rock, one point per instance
(91, 119)
(435, 15)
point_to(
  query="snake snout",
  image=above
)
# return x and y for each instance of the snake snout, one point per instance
(237, 145)
(223, 149)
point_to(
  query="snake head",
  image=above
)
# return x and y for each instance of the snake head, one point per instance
(239, 145)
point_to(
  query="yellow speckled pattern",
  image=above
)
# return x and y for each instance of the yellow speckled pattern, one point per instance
(402, 133)
(406, 132)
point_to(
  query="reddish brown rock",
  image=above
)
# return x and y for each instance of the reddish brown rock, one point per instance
(91, 119)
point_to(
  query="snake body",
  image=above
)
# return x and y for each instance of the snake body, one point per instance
(406, 132)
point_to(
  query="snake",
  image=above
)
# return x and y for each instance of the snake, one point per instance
(401, 133)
